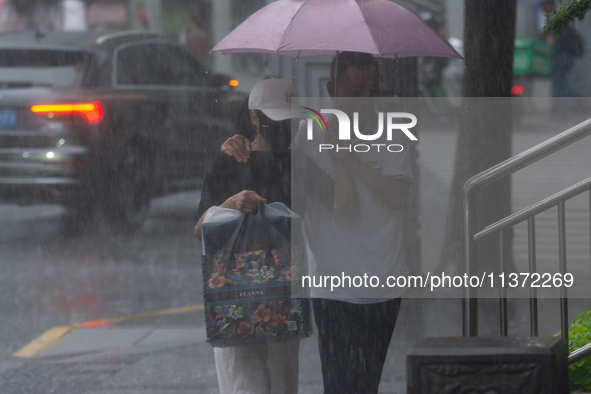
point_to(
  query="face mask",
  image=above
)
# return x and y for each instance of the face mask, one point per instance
(277, 134)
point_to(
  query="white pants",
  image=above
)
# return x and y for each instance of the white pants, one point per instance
(258, 369)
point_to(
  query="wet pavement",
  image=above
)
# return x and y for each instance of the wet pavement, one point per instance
(48, 280)
(153, 358)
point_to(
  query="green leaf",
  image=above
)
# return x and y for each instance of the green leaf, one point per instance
(579, 335)
(565, 14)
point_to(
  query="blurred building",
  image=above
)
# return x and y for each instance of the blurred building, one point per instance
(79, 15)
(26, 15)
(196, 33)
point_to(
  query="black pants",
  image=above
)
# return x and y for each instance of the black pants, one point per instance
(353, 341)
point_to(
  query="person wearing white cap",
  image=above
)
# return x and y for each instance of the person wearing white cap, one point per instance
(267, 177)
(354, 324)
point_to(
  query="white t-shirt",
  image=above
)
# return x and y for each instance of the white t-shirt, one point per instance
(367, 241)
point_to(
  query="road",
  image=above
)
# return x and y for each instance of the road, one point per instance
(49, 279)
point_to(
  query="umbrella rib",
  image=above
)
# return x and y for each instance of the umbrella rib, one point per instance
(370, 32)
(292, 18)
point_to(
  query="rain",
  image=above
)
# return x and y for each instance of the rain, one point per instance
(112, 118)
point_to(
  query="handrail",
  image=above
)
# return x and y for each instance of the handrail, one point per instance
(509, 166)
(529, 156)
(579, 354)
(534, 209)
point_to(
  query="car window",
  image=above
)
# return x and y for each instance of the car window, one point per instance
(157, 64)
(41, 67)
(184, 69)
(134, 67)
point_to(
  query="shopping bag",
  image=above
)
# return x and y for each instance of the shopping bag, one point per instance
(249, 269)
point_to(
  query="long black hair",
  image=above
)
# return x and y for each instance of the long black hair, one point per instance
(243, 123)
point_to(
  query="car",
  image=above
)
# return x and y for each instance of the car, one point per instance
(106, 121)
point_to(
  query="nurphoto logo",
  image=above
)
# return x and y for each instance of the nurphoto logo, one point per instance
(393, 123)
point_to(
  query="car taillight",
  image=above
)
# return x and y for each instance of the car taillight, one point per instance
(233, 83)
(517, 90)
(92, 112)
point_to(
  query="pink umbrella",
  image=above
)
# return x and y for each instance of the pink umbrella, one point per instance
(300, 28)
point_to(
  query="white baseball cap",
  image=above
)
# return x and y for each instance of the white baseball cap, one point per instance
(274, 97)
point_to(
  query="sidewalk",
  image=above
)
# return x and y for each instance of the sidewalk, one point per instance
(140, 357)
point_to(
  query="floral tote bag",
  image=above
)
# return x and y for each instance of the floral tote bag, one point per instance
(248, 280)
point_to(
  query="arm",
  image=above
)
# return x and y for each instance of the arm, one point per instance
(238, 147)
(209, 196)
(218, 183)
(197, 229)
(345, 199)
(390, 191)
(308, 180)
(246, 201)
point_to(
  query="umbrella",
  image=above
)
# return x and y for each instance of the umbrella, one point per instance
(300, 28)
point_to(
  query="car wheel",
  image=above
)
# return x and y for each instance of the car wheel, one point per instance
(131, 191)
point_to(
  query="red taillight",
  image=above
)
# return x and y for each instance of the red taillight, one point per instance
(92, 112)
(517, 90)
(94, 324)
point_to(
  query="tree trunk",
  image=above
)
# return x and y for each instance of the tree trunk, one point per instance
(484, 137)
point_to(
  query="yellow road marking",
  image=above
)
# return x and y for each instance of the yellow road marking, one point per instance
(51, 336)
(43, 341)
(184, 309)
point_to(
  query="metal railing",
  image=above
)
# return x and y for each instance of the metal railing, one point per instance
(470, 235)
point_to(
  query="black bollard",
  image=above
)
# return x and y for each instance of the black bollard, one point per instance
(495, 365)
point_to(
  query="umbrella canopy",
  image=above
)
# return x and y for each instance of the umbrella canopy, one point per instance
(300, 28)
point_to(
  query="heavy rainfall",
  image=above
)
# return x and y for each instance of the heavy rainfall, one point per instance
(112, 118)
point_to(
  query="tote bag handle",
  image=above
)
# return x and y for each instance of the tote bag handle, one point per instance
(240, 237)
